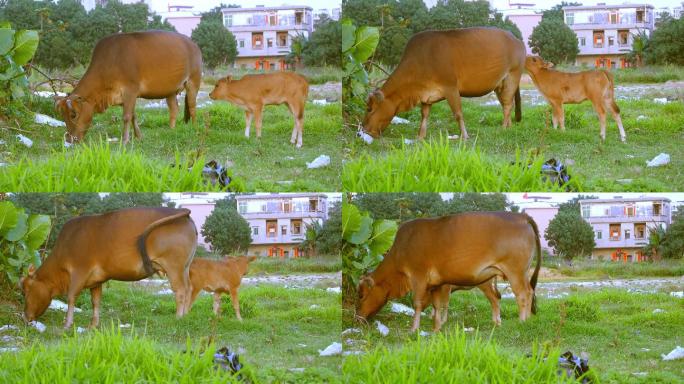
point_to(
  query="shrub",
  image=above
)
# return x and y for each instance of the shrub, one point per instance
(227, 231)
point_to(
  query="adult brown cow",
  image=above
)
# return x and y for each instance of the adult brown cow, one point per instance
(125, 66)
(573, 88)
(128, 245)
(465, 250)
(439, 299)
(439, 65)
(253, 92)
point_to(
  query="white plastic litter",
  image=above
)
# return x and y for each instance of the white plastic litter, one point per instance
(658, 310)
(112, 139)
(25, 140)
(660, 100)
(80, 330)
(124, 325)
(334, 290)
(68, 145)
(8, 327)
(408, 141)
(469, 329)
(38, 325)
(401, 308)
(679, 294)
(297, 370)
(11, 339)
(2, 142)
(347, 353)
(424, 333)
(350, 330)
(641, 117)
(452, 137)
(320, 102)
(659, 160)
(9, 349)
(677, 353)
(365, 137)
(301, 345)
(331, 350)
(61, 306)
(314, 306)
(45, 119)
(48, 93)
(166, 291)
(319, 162)
(399, 120)
(382, 328)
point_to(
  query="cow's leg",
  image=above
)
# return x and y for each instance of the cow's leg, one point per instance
(425, 113)
(193, 296)
(454, 100)
(506, 95)
(128, 115)
(489, 289)
(236, 303)
(523, 293)
(136, 128)
(420, 293)
(172, 102)
(258, 112)
(615, 111)
(75, 288)
(95, 296)
(217, 303)
(248, 121)
(440, 302)
(191, 89)
(295, 127)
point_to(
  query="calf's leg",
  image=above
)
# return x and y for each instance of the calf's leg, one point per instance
(172, 102)
(454, 100)
(257, 117)
(615, 111)
(425, 113)
(95, 296)
(217, 303)
(248, 121)
(236, 303)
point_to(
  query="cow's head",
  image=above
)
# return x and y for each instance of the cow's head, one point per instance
(221, 89)
(372, 297)
(535, 63)
(379, 113)
(77, 113)
(37, 295)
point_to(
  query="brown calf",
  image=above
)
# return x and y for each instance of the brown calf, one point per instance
(219, 276)
(252, 92)
(573, 88)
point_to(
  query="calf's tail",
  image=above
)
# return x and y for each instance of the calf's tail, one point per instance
(147, 262)
(611, 90)
(535, 274)
(518, 106)
(186, 109)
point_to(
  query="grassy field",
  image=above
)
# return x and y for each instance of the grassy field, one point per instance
(600, 270)
(595, 166)
(271, 265)
(618, 331)
(268, 164)
(282, 329)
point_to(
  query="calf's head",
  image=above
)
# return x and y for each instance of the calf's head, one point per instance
(379, 113)
(534, 64)
(221, 89)
(37, 295)
(372, 297)
(77, 113)
(242, 263)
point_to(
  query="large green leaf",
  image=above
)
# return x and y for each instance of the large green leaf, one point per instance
(351, 220)
(348, 35)
(363, 233)
(25, 45)
(39, 228)
(8, 217)
(367, 39)
(6, 40)
(384, 232)
(19, 230)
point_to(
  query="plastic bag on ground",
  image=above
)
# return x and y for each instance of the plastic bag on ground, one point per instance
(382, 328)
(661, 159)
(331, 350)
(319, 162)
(45, 119)
(677, 353)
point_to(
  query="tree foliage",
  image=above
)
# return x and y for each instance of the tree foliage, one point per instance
(227, 231)
(569, 235)
(556, 12)
(329, 239)
(554, 41)
(218, 45)
(323, 47)
(672, 242)
(666, 43)
(17, 48)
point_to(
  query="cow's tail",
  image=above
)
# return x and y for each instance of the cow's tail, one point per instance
(611, 90)
(147, 262)
(518, 106)
(535, 274)
(186, 110)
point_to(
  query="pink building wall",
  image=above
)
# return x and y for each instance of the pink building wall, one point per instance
(184, 24)
(199, 213)
(526, 24)
(542, 216)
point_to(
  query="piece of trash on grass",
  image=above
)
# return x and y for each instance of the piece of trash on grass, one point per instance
(45, 119)
(677, 353)
(61, 306)
(314, 306)
(38, 325)
(677, 294)
(68, 145)
(452, 137)
(351, 330)
(2, 142)
(641, 374)
(661, 159)
(320, 102)
(347, 353)
(11, 339)
(297, 370)
(641, 117)
(8, 327)
(469, 329)
(660, 100)
(25, 140)
(573, 366)
(9, 349)
(331, 350)
(424, 333)
(368, 139)
(382, 328)
(401, 308)
(334, 289)
(399, 120)
(289, 158)
(624, 181)
(645, 349)
(228, 360)
(49, 93)
(658, 310)
(408, 141)
(319, 162)
(112, 139)
(166, 291)
(80, 330)
(126, 325)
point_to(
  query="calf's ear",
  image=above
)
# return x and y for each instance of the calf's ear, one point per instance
(251, 258)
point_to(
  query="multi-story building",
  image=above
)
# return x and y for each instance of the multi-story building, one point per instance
(622, 225)
(279, 221)
(264, 34)
(542, 214)
(605, 32)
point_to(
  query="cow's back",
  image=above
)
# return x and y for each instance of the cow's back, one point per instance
(475, 58)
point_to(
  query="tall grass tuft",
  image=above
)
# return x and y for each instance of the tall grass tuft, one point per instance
(451, 358)
(110, 357)
(97, 167)
(434, 166)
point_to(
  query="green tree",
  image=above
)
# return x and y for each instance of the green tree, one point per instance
(329, 239)
(400, 206)
(477, 202)
(323, 47)
(570, 236)
(554, 41)
(114, 201)
(672, 244)
(556, 12)
(227, 231)
(666, 44)
(656, 235)
(639, 44)
(218, 45)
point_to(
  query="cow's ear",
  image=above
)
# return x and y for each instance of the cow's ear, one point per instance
(60, 102)
(548, 65)
(31, 270)
(378, 96)
(228, 78)
(368, 281)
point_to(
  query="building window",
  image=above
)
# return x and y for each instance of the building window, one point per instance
(273, 66)
(583, 41)
(614, 232)
(296, 227)
(629, 210)
(657, 209)
(282, 39)
(255, 231)
(611, 40)
(613, 17)
(283, 230)
(287, 206)
(271, 228)
(228, 20)
(598, 39)
(313, 205)
(569, 18)
(640, 16)
(269, 43)
(628, 234)
(241, 43)
(640, 230)
(623, 37)
(599, 235)
(257, 40)
(272, 19)
(299, 17)
(586, 211)
(242, 207)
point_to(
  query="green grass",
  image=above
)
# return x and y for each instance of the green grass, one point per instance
(610, 166)
(614, 328)
(268, 164)
(280, 330)
(651, 74)
(593, 269)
